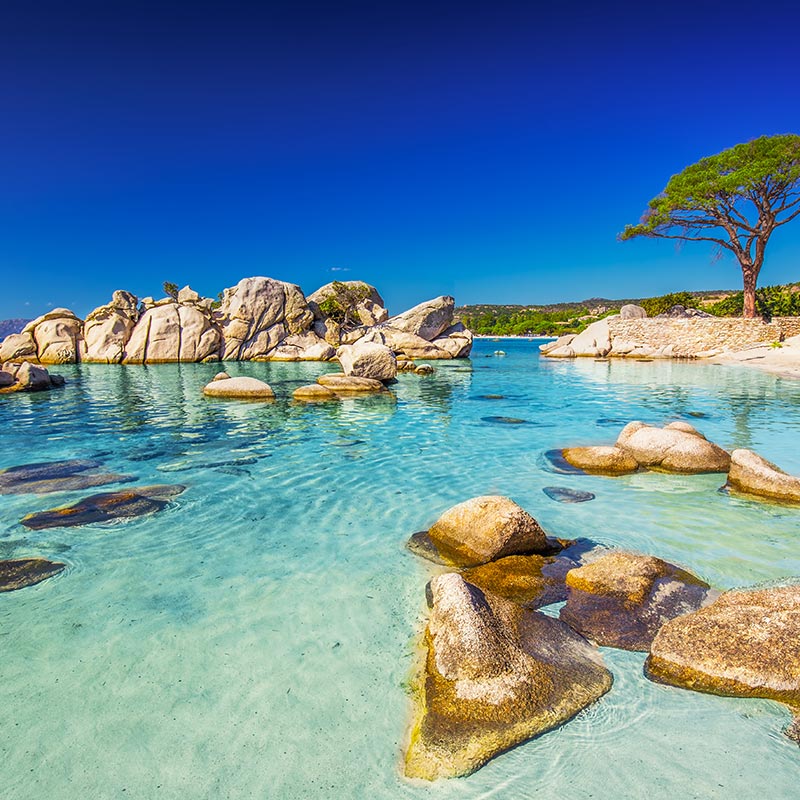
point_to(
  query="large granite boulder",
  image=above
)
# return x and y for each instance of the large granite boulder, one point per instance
(494, 676)
(172, 332)
(678, 447)
(745, 644)
(400, 342)
(302, 347)
(622, 599)
(601, 460)
(58, 336)
(258, 313)
(427, 320)
(485, 528)
(242, 388)
(595, 341)
(368, 360)
(107, 329)
(18, 347)
(456, 341)
(558, 348)
(314, 393)
(22, 572)
(753, 475)
(631, 311)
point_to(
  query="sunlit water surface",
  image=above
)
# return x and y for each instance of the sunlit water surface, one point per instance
(255, 639)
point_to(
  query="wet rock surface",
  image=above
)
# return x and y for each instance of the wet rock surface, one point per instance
(745, 644)
(19, 573)
(105, 507)
(622, 599)
(494, 676)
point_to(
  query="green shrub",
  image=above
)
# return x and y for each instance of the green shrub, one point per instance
(660, 305)
(771, 301)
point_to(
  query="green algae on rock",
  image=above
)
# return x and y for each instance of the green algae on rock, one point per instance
(104, 507)
(622, 599)
(19, 573)
(495, 675)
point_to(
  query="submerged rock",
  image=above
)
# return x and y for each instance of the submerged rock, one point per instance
(622, 599)
(563, 494)
(19, 573)
(531, 581)
(242, 388)
(314, 392)
(745, 644)
(57, 476)
(600, 460)
(499, 420)
(677, 447)
(350, 384)
(486, 528)
(751, 474)
(495, 675)
(104, 507)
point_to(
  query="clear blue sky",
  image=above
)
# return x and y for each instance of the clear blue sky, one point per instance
(488, 150)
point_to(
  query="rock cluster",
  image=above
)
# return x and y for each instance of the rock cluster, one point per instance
(258, 319)
(677, 447)
(26, 377)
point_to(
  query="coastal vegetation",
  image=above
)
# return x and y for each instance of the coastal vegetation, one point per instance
(563, 318)
(734, 199)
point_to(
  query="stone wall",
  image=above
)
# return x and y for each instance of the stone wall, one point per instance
(697, 336)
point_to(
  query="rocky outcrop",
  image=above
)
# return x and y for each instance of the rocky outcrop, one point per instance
(257, 314)
(753, 475)
(173, 332)
(745, 644)
(242, 388)
(105, 507)
(368, 360)
(19, 573)
(58, 336)
(258, 319)
(485, 528)
(107, 329)
(26, 377)
(494, 675)
(622, 599)
(677, 447)
(631, 311)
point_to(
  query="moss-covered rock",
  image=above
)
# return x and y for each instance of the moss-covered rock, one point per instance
(622, 599)
(494, 676)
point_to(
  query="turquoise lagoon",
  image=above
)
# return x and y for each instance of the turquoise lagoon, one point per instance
(255, 639)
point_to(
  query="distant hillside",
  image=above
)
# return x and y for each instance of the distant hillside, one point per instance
(554, 319)
(8, 326)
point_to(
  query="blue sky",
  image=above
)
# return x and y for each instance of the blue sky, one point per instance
(488, 150)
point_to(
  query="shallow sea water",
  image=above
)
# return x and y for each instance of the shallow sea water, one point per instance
(255, 639)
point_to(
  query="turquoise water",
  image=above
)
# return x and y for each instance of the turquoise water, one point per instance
(255, 639)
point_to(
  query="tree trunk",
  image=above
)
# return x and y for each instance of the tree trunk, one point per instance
(750, 276)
